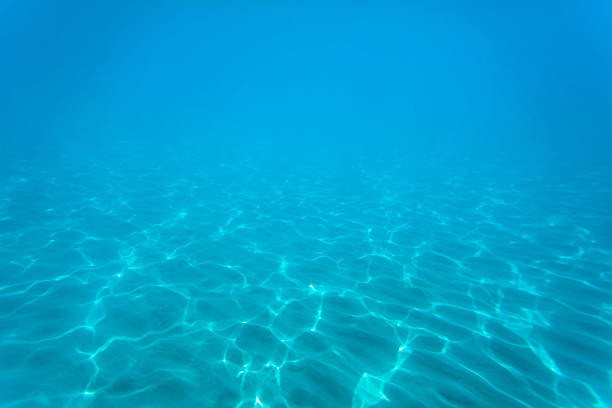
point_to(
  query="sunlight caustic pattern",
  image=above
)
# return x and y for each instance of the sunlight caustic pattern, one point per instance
(150, 288)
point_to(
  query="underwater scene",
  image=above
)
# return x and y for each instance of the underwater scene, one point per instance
(285, 204)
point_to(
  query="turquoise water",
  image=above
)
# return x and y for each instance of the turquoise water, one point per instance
(227, 286)
(271, 205)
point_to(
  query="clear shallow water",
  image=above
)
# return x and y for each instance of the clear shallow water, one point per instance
(275, 204)
(223, 285)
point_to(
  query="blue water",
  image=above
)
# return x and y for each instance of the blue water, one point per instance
(210, 204)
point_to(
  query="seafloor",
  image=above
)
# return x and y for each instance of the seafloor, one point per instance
(189, 285)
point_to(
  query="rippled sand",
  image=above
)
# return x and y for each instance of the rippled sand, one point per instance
(231, 287)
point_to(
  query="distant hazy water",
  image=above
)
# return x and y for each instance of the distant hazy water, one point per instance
(223, 285)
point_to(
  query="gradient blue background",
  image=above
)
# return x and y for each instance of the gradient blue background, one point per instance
(318, 81)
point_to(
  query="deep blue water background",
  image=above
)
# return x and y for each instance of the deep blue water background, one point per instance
(242, 204)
